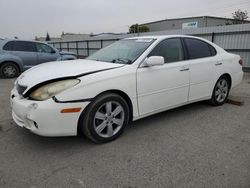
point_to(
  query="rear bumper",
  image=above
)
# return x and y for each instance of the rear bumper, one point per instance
(236, 78)
(44, 117)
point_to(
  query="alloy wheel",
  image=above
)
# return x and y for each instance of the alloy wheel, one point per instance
(109, 119)
(9, 71)
(221, 90)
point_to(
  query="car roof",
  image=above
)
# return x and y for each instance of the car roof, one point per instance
(7, 40)
(162, 37)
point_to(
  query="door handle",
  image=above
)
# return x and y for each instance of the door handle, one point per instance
(217, 64)
(184, 69)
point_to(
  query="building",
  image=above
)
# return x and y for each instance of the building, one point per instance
(43, 39)
(81, 37)
(191, 22)
(74, 36)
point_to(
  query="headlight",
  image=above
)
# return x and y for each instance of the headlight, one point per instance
(47, 91)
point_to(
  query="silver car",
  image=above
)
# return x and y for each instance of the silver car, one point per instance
(18, 55)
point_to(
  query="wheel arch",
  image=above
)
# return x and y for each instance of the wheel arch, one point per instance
(227, 75)
(10, 58)
(115, 91)
(212, 101)
(11, 61)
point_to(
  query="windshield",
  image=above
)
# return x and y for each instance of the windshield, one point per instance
(125, 51)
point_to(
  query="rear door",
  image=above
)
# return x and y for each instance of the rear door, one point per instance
(26, 51)
(46, 53)
(203, 64)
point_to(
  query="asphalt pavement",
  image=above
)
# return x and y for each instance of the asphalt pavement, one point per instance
(192, 146)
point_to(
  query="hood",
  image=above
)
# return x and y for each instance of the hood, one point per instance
(61, 69)
(66, 53)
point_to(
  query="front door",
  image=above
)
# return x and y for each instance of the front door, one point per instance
(164, 86)
(46, 53)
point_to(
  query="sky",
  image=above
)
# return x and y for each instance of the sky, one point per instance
(29, 18)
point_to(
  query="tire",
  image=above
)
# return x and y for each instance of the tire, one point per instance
(9, 70)
(105, 118)
(220, 92)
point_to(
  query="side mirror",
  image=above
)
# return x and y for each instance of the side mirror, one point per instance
(154, 61)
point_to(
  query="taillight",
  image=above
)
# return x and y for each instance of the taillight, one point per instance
(241, 62)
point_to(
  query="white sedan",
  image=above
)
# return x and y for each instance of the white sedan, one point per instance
(128, 80)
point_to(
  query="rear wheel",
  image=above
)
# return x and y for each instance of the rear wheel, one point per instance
(105, 118)
(220, 92)
(9, 70)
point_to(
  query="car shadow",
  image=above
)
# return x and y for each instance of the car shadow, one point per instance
(80, 141)
(165, 115)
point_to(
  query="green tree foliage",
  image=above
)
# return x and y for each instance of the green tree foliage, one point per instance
(240, 15)
(138, 28)
(47, 37)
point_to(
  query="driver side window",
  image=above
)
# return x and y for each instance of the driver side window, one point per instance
(170, 49)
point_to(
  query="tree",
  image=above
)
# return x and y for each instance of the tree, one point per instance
(138, 28)
(47, 37)
(240, 15)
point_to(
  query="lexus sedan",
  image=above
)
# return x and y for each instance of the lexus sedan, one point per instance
(18, 55)
(126, 81)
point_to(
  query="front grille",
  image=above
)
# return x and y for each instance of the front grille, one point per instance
(20, 89)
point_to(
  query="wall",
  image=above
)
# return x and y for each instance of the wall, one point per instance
(233, 38)
(205, 21)
(173, 24)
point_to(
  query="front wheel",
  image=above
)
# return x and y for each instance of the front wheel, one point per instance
(105, 118)
(220, 92)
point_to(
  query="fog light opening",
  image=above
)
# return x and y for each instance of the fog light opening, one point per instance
(35, 124)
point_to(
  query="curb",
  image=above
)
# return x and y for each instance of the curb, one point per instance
(234, 100)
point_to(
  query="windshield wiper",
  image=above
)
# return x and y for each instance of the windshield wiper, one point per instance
(123, 61)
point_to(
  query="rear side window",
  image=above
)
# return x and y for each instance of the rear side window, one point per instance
(198, 49)
(212, 50)
(24, 46)
(9, 46)
(170, 49)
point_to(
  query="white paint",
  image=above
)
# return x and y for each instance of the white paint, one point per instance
(151, 89)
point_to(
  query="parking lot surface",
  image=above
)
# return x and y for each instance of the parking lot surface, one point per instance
(192, 146)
